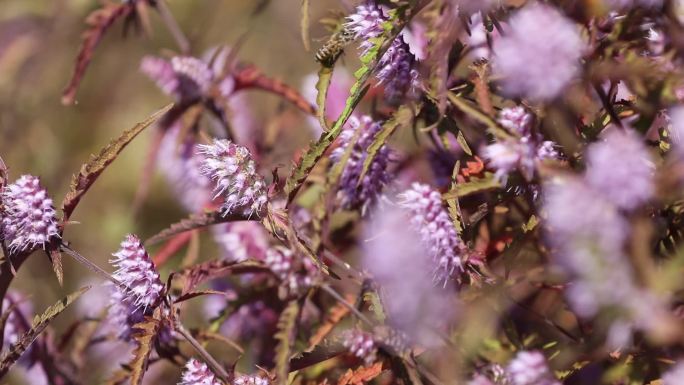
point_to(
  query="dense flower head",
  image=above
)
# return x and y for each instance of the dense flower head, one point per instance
(296, 273)
(619, 167)
(198, 373)
(539, 54)
(430, 218)
(183, 77)
(123, 314)
(28, 217)
(398, 72)
(366, 23)
(530, 368)
(240, 241)
(234, 172)
(361, 344)
(251, 379)
(365, 193)
(137, 274)
(516, 120)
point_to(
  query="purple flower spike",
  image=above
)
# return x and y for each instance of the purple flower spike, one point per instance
(198, 373)
(184, 77)
(362, 345)
(398, 72)
(28, 220)
(137, 274)
(251, 380)
(366, 24)
(530, 368)
(620, 168)
(232, 168)
(432, 221)
(351, 194)
(534, 63)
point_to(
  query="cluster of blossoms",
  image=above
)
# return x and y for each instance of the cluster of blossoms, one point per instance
(231, 167)
(520, 152)
(430, 218)
(361, 344)
(141, 288)
(296, 273)
(198, 373)
(532, 62)
(28, 215)
(184, 77)
(360, 133)
(398, 67)
(526, 368)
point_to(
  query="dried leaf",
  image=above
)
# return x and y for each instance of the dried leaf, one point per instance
(249, 76)
(40, 322)
(202, 272)
(453, 205)
(334, 316)
(56, 259)
(195, 294)
(145, 335)
(98, 22)
(304, 25)
(195, 221)
(91, 170)
(473, 186)
(361, 375)
(287, 330)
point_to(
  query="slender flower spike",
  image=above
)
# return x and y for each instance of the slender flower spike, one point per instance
(234, 172)
(28, 220)
(429, 217)
(530, 368)
(137, 274)
(366, 24)
(251, 380)
(362, 345)
(198, 373)
(533, 62)
(365, 194)
(184, 77)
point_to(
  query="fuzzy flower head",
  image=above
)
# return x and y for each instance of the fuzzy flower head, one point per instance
(431, 220)
(184, 77)
(516, 120)
(251, 379)
(198, 373)
(620, 168)
(137, 274)
(361, 344)
(530, 368)
(234, 172)
(365, 193)
(28, 220)
(296, 273)
(539, 55)
(366, 23)
(123, 315)
(398, 72)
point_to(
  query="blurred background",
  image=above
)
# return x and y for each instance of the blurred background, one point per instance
(38, 135)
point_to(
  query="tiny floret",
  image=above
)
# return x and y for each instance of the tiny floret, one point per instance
(234, 172)
(198, 373)
(530, 368)
(28, 217)
(137, 274)
(251, 379)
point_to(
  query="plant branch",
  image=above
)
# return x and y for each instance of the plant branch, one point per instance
(89, 264)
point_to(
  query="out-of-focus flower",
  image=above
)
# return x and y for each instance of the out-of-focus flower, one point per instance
(198, 373)
(431, 220)
(619, 167)
(137, 274)
(626, 4)
(337, 96)
(28, 220)
(19, 320)
(123, 315)
(251, 379)
(296, 273)
(234, 172)
(539, 54)
(530, 368)
(676, 129)
(184, 77)
(493, 374)
(468, 7)
(361, 344)
(351, 193)
(180, 165)
(521, 152)
(395, 256)
(415, 37)
(250, 321)
(675, 375)
(241, 240)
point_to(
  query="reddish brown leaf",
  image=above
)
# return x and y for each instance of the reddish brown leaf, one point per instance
(98, 23)
(361, 375)
(195, 221)
(171, 247)
(217, 268)
(335, 315)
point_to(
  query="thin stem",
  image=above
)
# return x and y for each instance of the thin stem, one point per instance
(89, 264)
(328, 289)
(211, 361)
(173, 27)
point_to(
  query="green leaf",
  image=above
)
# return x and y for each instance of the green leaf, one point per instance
(194, 221)
(373, 299)
(475, 185)
(401, 117)
(91, 170)
(287, 329)
(322, 86)
(40, 322)
(145, 335)
(471, 110)
(304, 25)
(452, 203)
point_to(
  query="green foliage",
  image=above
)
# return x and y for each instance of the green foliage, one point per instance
(287, 330)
